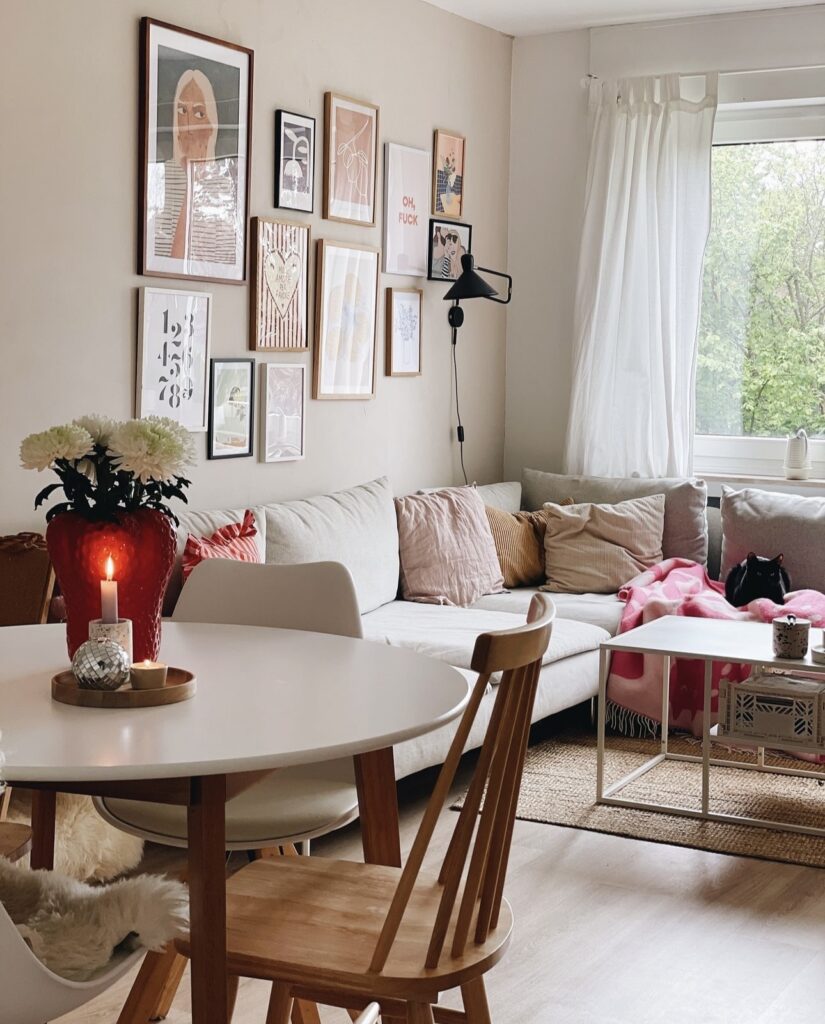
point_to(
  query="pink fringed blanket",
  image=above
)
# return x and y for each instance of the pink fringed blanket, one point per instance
(679, 587)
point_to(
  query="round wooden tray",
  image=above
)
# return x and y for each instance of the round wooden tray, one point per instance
(180, 685)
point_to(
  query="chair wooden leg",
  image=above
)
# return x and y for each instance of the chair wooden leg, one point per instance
(304, 1012)
(154, 987)
(280, 1005)
(475, 1002)
(419, 1013)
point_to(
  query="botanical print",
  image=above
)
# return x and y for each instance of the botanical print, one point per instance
(406, 184)
(283, 412)
(351, 142)
(196, 145)
(403, 357)
(230, 419)
(294, 161)
(448, 174)
(448, 243)
(173, 356)
(279, 286)
(345, 349)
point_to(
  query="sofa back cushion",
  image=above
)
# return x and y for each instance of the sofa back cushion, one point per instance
(685, 533)
(506, 495)
(356, 527)
(447, 551)
(769, 524)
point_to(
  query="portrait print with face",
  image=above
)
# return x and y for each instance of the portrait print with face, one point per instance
(449, 241)
(196, 139)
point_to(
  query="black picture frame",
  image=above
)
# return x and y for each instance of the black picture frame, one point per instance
(280, 192)
(211, 449)
(449, 226)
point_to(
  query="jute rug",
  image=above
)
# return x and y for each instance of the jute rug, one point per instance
(559, 788)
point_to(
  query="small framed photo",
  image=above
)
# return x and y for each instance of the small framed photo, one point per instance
(449, 241)
(232, 395)
(406, 194)
(350, 159)
(346, 299)
(195, 121)
(283, 408)
(403, 326)
(294, 161)
(174, 329)
(279, 318)
(449, 152)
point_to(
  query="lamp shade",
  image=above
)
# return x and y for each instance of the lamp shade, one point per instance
(469, 285)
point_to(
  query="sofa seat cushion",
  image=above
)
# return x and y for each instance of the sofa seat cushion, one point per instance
(449, 634)
(602, 610)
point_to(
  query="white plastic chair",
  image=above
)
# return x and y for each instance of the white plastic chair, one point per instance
(31, 994)
(370, 1015)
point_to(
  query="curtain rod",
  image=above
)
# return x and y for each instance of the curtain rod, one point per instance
(708, 71)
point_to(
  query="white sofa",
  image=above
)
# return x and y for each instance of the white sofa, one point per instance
(358, 528)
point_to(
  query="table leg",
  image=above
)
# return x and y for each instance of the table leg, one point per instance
(207, 899)
(378, 805)
(706, 738)
(665, 701)
(604, 662)
(44, 805)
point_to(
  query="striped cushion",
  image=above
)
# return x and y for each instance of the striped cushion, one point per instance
(519, 539)
(235, 540)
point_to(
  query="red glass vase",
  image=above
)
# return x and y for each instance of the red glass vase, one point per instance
(141, 545)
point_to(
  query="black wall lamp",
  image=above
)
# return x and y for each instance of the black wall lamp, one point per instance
(469, 285)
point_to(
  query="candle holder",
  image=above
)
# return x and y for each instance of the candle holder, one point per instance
(120, 632)
(148, 675)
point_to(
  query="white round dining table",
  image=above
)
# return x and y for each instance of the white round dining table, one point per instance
(266, 698)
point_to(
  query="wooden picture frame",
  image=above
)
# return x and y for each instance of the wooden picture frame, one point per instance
(350, 167)
(283, 400)
(440, 238)
(446, 145)
(402, 356)
(346, 300)
(237, 416)
(294, 160)
(180, 70)
(279, 296)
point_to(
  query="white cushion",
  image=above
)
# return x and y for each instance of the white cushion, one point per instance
(603, 610)
(506, 495)
(356, 527)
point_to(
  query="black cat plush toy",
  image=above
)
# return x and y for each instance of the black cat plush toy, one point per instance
(757, 577)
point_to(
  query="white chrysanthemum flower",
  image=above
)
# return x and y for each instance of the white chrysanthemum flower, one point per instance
(70, 441)
(155, 448)
(100, 427)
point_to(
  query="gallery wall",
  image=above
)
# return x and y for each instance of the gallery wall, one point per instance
(68, 191)
(548, 146)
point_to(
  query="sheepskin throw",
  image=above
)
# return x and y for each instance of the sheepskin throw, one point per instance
(76, 929)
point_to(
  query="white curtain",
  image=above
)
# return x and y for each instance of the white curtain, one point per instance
(646, 222)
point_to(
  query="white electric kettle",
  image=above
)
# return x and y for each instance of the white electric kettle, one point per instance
(797, 459)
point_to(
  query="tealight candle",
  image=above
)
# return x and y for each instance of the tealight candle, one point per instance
(148, 675)
(108, 594)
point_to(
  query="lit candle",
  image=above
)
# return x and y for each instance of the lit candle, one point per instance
(148, 675)
(108, 594)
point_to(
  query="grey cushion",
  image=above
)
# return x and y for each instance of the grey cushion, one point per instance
(506, 496)
(356, 527)
(769, 523)
(685, 534)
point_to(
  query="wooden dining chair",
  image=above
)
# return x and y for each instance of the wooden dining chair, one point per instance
(347, 933)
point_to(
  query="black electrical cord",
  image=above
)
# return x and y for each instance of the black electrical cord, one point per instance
(459, 428)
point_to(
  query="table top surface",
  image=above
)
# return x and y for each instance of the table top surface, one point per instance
(266, 698)
(712, 640)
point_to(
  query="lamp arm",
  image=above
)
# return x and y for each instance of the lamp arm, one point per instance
(509, 280)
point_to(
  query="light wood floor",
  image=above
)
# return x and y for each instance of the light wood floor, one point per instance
(617, 931)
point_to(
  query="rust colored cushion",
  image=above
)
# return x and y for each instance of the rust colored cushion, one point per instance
(519, 540)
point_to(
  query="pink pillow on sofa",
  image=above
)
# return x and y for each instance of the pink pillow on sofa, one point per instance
(235, 540)
(448, 555)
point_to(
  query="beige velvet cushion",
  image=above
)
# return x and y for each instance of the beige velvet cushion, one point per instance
(596, 549)
(685, 534)
(519, 540)
(447, 551)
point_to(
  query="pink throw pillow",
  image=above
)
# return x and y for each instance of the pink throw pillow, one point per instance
(448, 555)
(235, 540)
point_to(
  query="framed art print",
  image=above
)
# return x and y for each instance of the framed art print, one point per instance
(346, 298)
(294, 161)
(284, 405)
(449, 151)
(231, 404)
(406, 190)
(350, 159)
(403, 327)
(174, 330)
(448, 243)
(280, 287)
(195, 117)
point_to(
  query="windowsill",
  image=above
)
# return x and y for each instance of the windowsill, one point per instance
(742, 478)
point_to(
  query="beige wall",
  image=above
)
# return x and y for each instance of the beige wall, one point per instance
(68, 287)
